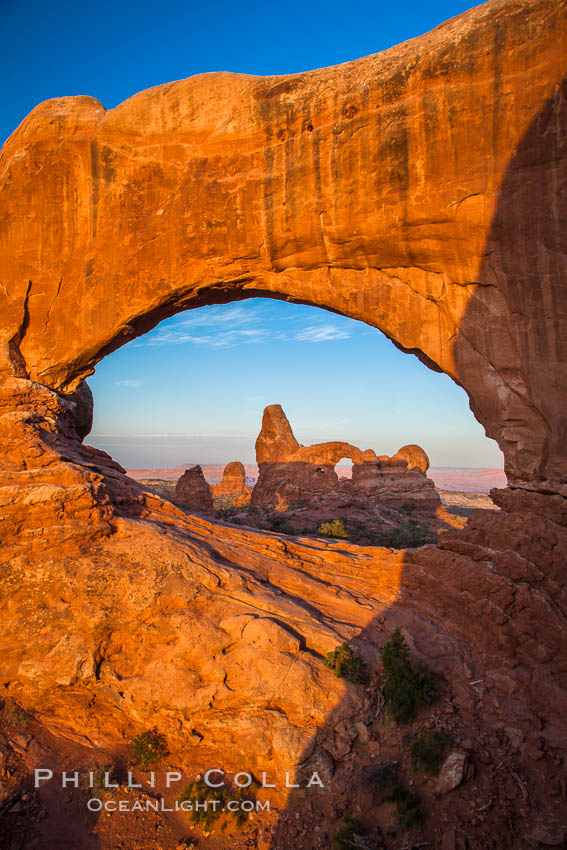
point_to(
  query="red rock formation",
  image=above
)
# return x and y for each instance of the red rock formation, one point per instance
(414, 456)
(418, 191)
(389, 483)
(275, 442)
(193, 492)
(233, 487)
(290, 474)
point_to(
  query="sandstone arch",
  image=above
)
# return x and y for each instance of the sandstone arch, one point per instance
(369, 189)
(376, 189)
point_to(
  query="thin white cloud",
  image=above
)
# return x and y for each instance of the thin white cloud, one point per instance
(222, 339)
(129, 383)
(214, 316)
(221, 326)
(321, 333)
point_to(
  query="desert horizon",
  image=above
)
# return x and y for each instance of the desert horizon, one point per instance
(458, 478)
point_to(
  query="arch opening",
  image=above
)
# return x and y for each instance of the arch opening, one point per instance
(343, 468)
(186, 401)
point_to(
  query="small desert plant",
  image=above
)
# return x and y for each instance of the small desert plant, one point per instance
(345, 664)
(408, 507)
(16, 717)
(150, 748)
(99, 788)
(280, 524)
(225, 511)
(428, 750)
(346, 836)
(408, 809)
(209, 804)
(419, 534)
(333, 528)
(394, 541)
(408, 686)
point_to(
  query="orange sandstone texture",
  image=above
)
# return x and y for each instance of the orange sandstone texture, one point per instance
(417, 190)
(193, 492)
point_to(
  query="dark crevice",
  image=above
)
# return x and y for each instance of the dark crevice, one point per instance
(16, 357)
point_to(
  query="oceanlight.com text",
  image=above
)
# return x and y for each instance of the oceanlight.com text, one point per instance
(95, 804)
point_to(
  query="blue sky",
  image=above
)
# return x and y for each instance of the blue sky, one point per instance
(193, 389)
(112, 49)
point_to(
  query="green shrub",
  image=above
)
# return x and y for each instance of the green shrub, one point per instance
(212, 803)
(333, 528)
(345, 664)
(99, 789)
(408, 809)
(280, 524)
(394, 541)
(419, 534)
(428, 750)
(408, 686)
(345, 837)
(15, 716)
(150, 748)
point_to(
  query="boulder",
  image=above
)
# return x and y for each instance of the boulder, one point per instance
(414, 456)
(451, 773)
(192, 491)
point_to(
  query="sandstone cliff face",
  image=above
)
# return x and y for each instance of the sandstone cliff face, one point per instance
(417, 190)
(193, 492)
(275, 442)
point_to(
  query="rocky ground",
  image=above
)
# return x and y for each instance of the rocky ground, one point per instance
(137, 614)
(396, 529)
(477, 796)
(463, 504)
